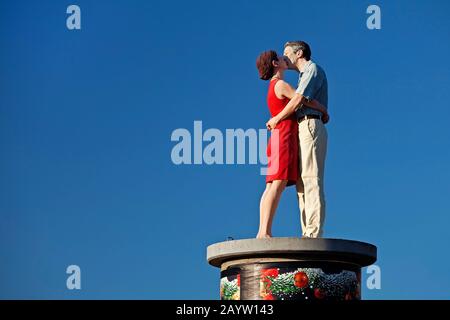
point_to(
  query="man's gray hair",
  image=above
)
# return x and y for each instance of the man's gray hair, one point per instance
(300, 45)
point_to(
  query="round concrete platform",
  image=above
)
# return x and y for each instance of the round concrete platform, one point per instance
(291, 268)
(308, 249)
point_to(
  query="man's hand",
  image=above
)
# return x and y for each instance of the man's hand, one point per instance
(272, 123)
(325, 118)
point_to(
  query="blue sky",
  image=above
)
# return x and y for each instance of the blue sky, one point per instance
(86, 118)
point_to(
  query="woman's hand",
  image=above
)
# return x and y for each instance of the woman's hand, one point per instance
(272, 123)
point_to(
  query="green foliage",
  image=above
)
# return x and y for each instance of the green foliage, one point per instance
(229, 289)
(283, 284)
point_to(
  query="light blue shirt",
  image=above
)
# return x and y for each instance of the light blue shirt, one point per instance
(313, 85)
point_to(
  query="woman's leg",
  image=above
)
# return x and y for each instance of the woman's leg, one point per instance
(269, 204)
(261, 211)
(279, 186)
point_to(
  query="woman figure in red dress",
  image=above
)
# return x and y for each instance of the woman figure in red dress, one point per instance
(283, 145)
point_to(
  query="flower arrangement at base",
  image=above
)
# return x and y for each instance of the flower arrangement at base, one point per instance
(308, 283)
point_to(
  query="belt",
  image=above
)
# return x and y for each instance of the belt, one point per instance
(312, 116)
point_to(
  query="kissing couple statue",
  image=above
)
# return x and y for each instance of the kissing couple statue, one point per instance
(297, 152)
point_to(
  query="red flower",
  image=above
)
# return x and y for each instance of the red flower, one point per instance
(269, 297)
(301, 280)
(318, 293)
(273, 273)
(265, 273)
(239, 280)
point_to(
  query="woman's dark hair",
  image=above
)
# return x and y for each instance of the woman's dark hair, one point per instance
(264, 64)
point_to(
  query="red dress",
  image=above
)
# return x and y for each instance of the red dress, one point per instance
(283, 156)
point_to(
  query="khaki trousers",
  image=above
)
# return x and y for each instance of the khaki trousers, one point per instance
(313, 138)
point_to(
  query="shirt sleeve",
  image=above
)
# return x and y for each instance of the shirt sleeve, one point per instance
(309, 82)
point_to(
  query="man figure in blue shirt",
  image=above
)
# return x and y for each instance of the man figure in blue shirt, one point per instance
(313, 136)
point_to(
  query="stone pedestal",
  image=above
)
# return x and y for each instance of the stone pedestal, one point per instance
(291, 268)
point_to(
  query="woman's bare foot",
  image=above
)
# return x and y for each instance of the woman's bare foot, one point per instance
(263, 236)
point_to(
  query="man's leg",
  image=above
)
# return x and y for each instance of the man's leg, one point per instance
(301, 190)
(301, 204)
(313, 143)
